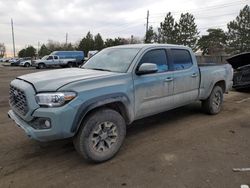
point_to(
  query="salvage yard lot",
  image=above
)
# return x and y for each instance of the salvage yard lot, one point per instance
(179, 148)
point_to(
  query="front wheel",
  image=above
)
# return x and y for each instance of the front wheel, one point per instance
(26, 64)
(41, 66)
(101, 135)
(213, 104)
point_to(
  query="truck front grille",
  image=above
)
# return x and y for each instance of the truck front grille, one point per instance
(18, 100)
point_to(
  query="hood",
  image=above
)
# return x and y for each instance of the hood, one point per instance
(54, 79)
(239, 60)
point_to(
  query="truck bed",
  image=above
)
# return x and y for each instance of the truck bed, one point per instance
(215, 71)
(210, 64)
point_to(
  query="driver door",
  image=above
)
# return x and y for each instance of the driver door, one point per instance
(153, 92)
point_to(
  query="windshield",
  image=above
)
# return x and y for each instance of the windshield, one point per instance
(45, 57)
(112, 59)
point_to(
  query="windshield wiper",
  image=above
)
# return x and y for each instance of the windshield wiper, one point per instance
(100, 69)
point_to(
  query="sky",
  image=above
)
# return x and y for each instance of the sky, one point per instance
(36, 22)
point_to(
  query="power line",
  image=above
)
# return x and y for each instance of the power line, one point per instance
(204, 17)
(202, 9)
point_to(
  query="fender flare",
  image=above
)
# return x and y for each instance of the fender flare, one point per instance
(212, 85)
(98, 102)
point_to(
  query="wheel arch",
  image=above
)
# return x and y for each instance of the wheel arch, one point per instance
(221, 83)
(118, 102)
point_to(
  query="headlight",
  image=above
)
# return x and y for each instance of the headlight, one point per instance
(54, 99)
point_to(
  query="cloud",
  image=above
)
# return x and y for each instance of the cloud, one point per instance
(51, 19)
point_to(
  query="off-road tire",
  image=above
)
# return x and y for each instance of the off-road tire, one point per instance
(213, 104)
(85, 142)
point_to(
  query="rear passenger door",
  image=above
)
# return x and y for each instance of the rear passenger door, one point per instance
(56, 60)
(186, 77)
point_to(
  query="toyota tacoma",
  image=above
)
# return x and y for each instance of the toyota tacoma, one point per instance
(94, 104)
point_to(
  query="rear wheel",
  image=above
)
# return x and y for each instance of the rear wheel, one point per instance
(101, 135)
(70, 64)
(213, 104)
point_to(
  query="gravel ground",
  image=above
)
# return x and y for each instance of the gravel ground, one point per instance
(182, 148)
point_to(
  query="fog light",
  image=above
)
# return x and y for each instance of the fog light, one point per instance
(47, 123)
(41, 123)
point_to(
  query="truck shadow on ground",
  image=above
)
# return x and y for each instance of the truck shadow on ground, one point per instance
(164, 119)
(58, 148)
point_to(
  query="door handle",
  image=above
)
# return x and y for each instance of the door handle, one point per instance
(194, 75)
(169, 79)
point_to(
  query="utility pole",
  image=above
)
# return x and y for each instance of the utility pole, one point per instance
(147, 21)
(38, 46)
(13, 38)
(66, 38)
(132, 39)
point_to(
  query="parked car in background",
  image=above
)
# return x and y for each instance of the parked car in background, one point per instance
(94, 104)
(13, 60)
(69, 55)
(241, 65)
(20, 61)
(15, 63)
(26, 62)
(53, 61)
(90, 54)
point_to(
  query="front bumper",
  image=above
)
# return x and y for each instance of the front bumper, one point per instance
(20, 123)
(61, 121)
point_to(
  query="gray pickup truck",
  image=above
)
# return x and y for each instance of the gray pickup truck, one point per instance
(94, 103)
(53, 61)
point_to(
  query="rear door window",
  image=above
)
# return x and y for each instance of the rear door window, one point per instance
(181, 59)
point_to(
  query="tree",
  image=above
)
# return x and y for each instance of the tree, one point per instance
(53, 46)
(115, 42)
(43, 51)
(150, 35)
(67, 46)
(2, 50)
(239, 32)
(21, 53)
(135, 40)
(30, 51)
(99, 44)
(87, 43)
(214, 43)
(187, 31)
(167, 33)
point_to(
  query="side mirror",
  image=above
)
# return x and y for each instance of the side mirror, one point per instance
(147, 68)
